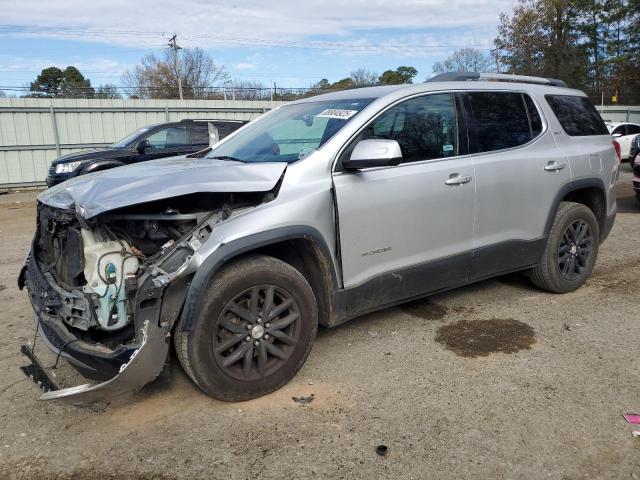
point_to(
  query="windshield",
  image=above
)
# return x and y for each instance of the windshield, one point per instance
(129, 138)
(290, 133)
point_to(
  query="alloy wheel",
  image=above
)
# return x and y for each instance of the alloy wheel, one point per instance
(576, 249)
(256, 332)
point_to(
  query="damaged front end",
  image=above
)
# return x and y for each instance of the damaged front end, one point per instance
(106, 291)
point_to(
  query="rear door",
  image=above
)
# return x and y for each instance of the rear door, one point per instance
(199, 135)
(410, 227)
(519, 171)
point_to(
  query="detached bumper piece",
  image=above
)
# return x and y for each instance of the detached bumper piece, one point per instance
(124, 369)
(144, 365)
(37, 372)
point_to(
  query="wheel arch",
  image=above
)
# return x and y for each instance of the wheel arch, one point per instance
(302, 247)
(101, 165)
(589, 192)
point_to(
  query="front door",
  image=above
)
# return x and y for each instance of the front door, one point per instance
(408, 229)
(166, 142)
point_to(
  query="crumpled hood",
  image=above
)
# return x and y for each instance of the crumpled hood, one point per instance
(101, 192)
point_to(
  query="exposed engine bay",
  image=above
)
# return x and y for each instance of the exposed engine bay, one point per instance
(99, 263)
(113, 259)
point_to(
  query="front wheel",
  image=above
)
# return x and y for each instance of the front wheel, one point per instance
(254, 331)
(571, 250)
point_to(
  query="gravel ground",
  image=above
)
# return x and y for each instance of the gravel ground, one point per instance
(496, 380)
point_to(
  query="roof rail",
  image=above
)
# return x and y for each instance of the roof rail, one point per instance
(499, 77)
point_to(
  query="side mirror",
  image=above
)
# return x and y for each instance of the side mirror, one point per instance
(616, 135)
(374, 153)
(143, 145)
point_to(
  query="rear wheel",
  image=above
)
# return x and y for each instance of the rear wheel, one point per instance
(571, 250)
(255, 330)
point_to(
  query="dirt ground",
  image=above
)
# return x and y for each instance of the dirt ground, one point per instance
(497, 380)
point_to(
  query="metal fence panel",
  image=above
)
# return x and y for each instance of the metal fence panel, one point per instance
(620, 113)
(34, 131)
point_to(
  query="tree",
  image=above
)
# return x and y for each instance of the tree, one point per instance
(74, 85)
(593, 45)
(246, 90)
(322, 84)
(358, 78)
(398, 76)
(158, 77)
(343, 84)
(107, 90)
(541, 38)
(47, 83)
(465, 60)
(67, 83)
(363, 78)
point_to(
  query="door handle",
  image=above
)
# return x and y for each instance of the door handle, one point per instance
(457, 179)
(554, 166)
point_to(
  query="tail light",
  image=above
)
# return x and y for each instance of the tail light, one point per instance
(618, 150)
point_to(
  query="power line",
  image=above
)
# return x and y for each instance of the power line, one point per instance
(233, 40)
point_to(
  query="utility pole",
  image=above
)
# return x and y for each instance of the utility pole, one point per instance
(496, 56)
(174, 46)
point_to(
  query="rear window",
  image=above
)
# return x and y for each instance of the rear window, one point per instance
(502, 120)
(577, 115)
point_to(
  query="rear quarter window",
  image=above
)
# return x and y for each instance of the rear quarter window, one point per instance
(577, 115)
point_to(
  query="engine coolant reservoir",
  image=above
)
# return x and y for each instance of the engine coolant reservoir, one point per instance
(106, 270)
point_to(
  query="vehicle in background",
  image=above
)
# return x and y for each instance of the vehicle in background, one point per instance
(624, 133)
(634, 161)
(634, 150)
(147, 143)
(322, 210)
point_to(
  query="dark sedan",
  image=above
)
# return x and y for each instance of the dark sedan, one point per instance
(147, 143)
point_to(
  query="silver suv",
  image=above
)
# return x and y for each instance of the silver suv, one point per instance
(320, 211)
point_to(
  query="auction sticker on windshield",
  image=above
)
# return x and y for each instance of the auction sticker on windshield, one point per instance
(337, 113)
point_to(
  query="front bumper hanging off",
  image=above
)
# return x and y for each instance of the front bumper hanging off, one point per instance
(115, 372)
(144, 365)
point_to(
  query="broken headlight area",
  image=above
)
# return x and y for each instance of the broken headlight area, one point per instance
(104, 289)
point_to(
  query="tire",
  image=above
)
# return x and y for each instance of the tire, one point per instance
(555, 273)
(234, 319)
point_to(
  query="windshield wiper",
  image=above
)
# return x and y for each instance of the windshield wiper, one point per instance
(227, 157)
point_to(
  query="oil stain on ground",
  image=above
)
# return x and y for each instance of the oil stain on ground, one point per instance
(425, 309)
(428, 310)
(479, 338)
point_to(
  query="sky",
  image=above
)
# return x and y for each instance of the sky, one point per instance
(292, 43)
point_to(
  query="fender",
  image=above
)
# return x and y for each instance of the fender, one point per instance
(228, 251)
(101, 165)
(573, 186)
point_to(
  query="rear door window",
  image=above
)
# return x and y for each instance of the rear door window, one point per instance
(425, 127)
(200, 133)
(577, 115)
(503, 119)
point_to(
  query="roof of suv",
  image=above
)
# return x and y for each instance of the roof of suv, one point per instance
(404, 90)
